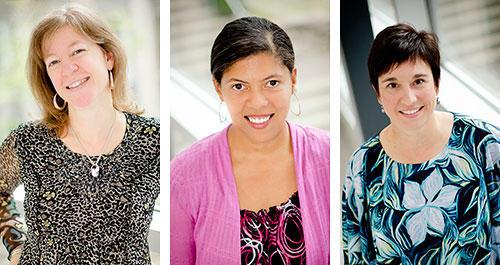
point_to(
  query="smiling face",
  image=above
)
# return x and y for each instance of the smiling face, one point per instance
(257, 92)
(408, 94)
(77, 67)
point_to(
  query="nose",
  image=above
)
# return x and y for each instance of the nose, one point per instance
(257, 99)
(69, 68)
(409, 95)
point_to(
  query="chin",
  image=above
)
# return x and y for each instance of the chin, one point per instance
(82, 102)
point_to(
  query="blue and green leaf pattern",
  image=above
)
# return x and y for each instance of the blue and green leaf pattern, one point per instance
(443, 211)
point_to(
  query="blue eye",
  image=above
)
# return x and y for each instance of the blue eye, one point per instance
(238, 87)
(78, 51)
(52, 63)
(273, 83)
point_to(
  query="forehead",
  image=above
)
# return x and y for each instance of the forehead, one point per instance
(256, 65)
(408, 68)
(62, 38)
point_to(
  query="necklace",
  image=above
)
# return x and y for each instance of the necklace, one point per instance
(94, 170)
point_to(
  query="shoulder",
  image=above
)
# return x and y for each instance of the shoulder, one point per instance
(141, 121)
(144, 127)
(311, 141)
(367, 153)
(30, 127)
(310, 134)
(199, 155)
(29, 131)
(475, 129)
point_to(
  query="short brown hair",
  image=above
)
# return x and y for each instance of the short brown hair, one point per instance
(89, 25)
(399, 43)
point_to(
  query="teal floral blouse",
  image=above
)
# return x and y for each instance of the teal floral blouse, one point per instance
(443, 211)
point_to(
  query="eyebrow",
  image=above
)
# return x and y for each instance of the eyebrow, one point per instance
(395, 79)
(245, 82)
(70, 45)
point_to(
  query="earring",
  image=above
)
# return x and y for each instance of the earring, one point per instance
(222, 120)
(437, 100)
(57, 105)
(298, 102)
(382, 109)
(111, 80)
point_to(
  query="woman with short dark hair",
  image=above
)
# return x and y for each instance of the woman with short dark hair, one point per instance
(425, 190)
(258, 191)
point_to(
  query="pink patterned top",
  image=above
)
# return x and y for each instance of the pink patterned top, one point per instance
(273, 237)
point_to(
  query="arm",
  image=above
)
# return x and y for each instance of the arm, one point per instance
(11, 226)
(491, 151)
(182, 246)
(355, 236)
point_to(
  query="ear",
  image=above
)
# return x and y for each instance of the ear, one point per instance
(437, 87)
(218, 88)
(294, 79)
(378, 95)
(110, 60)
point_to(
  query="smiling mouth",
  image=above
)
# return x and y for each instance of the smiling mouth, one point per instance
(258, 119)
(410, 112)
(77, 83)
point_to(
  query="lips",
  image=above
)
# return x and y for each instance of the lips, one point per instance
(411, 111)
(77, 83)
(259, 121)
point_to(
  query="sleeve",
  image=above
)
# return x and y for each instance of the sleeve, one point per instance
(356, 236)
(182, 246)
(491, 153)
(11, 226)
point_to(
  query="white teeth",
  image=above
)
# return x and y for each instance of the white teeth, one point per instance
(77, 83)
(259, 120)
(409, 112)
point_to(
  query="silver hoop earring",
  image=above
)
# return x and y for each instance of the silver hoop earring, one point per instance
(382, 109)
(57, 105)
(298, 102)
(437, 100)
(111, 80)
(222, 120)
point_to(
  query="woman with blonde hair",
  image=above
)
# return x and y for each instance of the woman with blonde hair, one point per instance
(90, 165)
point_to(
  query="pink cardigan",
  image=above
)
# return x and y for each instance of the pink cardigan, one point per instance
(204, 211)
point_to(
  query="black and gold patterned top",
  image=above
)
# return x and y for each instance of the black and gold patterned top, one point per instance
(71, 216)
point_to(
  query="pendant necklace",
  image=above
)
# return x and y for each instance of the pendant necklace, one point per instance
(94, 170)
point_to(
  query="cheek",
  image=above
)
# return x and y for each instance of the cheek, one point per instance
(281, 101)
(55, 79)
(387, 101)
(235, 104)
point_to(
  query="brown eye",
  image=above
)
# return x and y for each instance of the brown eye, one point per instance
(419, 81)
(392, 85)
(273, 83)
(238, 87)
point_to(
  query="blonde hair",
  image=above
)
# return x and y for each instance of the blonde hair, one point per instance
(89, 25)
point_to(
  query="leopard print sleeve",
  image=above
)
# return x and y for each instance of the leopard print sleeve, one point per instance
(11, 226)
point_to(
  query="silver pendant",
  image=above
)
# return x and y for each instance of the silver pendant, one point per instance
(95, 170)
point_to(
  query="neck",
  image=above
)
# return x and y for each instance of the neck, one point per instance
(420, 138)
(239, 143)
(92, 123)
